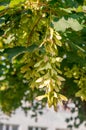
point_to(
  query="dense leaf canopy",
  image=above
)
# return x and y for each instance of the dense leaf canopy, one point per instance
(42, 54)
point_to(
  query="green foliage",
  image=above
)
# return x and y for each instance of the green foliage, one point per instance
(42, 53)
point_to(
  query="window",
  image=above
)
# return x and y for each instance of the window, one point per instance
(1, 126)
(36, 128)
(30, 128)
(8, 127)
(43, 128)
(15, 127)
(62, 129)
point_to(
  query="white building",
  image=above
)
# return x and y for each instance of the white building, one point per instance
(50, 120)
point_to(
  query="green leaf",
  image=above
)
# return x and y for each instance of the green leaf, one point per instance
(4, 2)
(15, 2)
(82, 94)
(39, 80)
(13, 52)
(38, 63)
(63, 24)
(41, 97)
(64, 98)
(74, 24)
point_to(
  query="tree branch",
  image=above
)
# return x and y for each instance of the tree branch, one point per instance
(31, 33)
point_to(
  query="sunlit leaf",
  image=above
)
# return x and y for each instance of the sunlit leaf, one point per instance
(41, 97)
(64, 24)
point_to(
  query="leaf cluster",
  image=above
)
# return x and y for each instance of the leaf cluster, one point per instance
(42, 53)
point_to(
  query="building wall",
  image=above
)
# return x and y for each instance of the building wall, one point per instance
(50, 120)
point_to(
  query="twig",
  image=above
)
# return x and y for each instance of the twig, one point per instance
(4, 11)
(31, 33)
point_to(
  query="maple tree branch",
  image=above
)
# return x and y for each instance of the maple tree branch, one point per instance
(31, 33)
